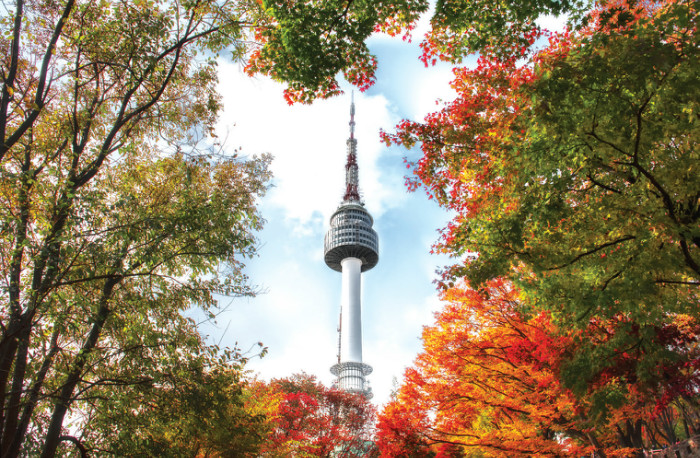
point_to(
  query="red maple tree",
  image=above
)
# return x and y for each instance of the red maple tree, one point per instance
(305, 418)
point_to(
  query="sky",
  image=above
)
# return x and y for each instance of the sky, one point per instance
(296, 315)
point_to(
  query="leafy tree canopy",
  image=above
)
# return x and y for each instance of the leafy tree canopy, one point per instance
(575, 175)
(488, 384)
(308, 43)
(570, 164)
(118, 211)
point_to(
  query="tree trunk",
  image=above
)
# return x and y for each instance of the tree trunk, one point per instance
(31, 398)
(53, 435)
(13, 400)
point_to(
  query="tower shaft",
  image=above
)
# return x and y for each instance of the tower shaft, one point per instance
(351, 311)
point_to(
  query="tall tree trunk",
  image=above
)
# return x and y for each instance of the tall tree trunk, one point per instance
(16, 337)
(53, 435)
(594, 441)
(13, 403)
(32, 397)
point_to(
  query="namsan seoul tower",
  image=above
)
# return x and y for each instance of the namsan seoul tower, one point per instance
(351, 247)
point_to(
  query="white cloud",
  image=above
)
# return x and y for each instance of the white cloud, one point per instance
(308, 144)
(294, 318)
(433, 88)
(552, 23)
(396, 348)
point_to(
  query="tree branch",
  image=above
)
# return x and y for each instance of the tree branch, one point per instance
(594, 250)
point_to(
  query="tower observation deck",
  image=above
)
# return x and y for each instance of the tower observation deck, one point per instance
(351, 247)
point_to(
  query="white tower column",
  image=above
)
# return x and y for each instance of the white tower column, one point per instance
(351, 311)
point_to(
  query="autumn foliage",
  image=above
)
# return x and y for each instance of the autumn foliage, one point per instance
(305, 418)
(487, 382)
(570, 163)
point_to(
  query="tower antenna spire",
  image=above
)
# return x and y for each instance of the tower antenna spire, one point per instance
(352, 185)
(352, 115)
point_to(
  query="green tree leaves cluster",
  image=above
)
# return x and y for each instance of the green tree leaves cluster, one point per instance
(183, 406)
(307, 44)
(616, 145)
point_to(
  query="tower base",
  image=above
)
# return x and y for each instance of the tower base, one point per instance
(351, 377)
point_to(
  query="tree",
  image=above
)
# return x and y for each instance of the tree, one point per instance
(573, 175)
(460, 27)
(580, 166)
(113, 316)
(488, 383)
(191, 406)
(306, 418)
(118, 211)
(307, 44)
